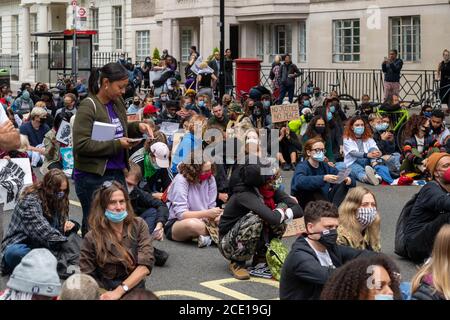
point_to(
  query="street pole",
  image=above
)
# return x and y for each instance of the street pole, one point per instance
(222, 50)
(74, 46)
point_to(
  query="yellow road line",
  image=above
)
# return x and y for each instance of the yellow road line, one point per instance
(186, 293)
(217, 285)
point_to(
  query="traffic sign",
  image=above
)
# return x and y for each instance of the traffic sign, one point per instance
(74, 3)
(82, 12)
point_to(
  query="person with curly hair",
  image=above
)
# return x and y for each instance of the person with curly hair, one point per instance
(117, 251)
(432, 281)
(371, 278)
(362, 155)
(359, 220)
(40, 219)
(191, 199)
(418, 145)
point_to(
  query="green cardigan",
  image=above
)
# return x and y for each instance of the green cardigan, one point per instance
(92, 156)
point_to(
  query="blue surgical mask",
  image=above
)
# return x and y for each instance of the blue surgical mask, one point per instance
(384, 297)
(164, 98)
(427, 114)
(381, 127)
(329, 116)
(116, 217)
(359, 131)
(332, 109)
(307, 103)
(319, 156)
(266, 104)
(201, 104)
(60, 195)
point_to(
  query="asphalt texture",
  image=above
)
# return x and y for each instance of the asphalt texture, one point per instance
(202, 273)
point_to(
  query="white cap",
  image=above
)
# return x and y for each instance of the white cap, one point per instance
(161, 153)
(306, 110)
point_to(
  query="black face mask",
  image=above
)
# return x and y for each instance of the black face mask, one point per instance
(437, 130)
(257, 113)
(309, 117)
(317, 94)
(328, 238)
(320, 130)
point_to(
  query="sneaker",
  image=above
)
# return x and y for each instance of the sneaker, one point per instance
(204, 241)
(161, 257)
(370, 176)
(286, 166)
(261, 270)
(380, 179)
(239, 272)
(293, 165)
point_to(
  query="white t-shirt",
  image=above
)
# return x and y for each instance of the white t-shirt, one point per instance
(324, 257)
(3, 116)
(420, 144)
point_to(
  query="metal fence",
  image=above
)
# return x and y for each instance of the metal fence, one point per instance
(99, 59)
(357, 82)
(11, 63)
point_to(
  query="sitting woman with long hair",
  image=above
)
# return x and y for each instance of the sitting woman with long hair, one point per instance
(117, 251)
(418, 144)
(432, 281)
(40, 219)
(318, 128)
(192, 202)
(359, 221)
(361, 153)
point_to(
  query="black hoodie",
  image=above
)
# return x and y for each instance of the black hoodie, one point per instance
(246, 198)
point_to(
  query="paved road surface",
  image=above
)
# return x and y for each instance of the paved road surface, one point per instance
(193, 273)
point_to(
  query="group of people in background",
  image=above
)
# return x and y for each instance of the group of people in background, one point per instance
(148, 183)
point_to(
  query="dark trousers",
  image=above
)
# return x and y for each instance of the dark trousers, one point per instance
(336, 195)
(150, 216)
(86, 186)
(56, 165)
(290, 92)
(420, 245)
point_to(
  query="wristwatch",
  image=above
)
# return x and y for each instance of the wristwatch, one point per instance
(125, 287)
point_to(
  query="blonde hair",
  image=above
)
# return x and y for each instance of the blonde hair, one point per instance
(439, 264)
(348, 211)
(40, 104)
(203, 65)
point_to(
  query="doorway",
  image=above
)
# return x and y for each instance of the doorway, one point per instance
(234, 41)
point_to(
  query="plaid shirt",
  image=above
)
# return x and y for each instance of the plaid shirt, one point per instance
(29, 226)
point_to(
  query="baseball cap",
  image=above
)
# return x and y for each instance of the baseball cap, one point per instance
(161, 153)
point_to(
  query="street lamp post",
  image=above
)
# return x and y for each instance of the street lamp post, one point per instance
(222, 50)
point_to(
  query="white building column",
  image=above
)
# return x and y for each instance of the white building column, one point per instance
(167, 35)
(26, 42)
(42, 26)
(175, 51)
(200, 38)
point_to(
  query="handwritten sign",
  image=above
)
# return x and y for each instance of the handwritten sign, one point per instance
(295, 228)
(286, 112)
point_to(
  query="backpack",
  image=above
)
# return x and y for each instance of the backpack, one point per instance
(400, 245)
(275, 256)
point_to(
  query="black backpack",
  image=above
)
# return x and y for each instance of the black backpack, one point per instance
(400, 245)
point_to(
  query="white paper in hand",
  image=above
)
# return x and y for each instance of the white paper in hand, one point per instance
(342, 175)
(102, 131)
(64, 133)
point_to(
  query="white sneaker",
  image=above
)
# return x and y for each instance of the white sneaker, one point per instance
(380, 179)
(204, 241)
(371, 177)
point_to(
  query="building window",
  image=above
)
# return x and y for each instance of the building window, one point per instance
(405, 37)
(94, 26)
(142, 45)
(302, 41)
(346, 47)
(1, 34)
(15, 34)
(117, 11)
(34, 41)
(186, 43)
(280, 40)
(260, 42)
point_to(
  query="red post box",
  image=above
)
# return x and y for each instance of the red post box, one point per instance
(247, 75)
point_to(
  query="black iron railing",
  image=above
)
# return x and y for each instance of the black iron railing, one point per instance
(11, 63)
(99, 59)
(357, 82)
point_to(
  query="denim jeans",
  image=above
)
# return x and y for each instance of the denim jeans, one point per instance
(359, 170)
(13, 255)
(290, 92)
(86, 186)
(393, 163)
(150, 216)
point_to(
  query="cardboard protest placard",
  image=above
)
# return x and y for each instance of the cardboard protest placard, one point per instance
(286, 112)
(14, 176)
(64, 133)
(295, 228)
(133, 117)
